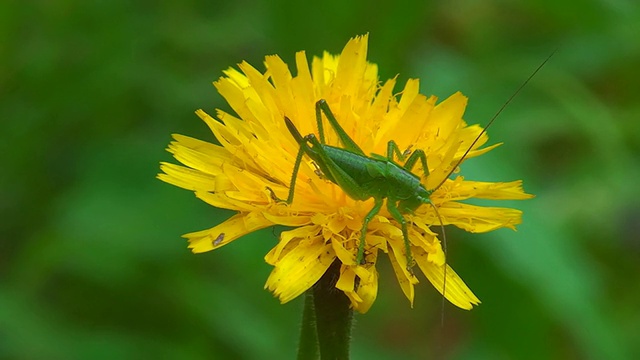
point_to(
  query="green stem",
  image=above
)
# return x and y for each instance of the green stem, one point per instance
(308, 348)
(333, 316)
(326, 320)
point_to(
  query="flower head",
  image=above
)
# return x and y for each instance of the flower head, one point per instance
(255, 160)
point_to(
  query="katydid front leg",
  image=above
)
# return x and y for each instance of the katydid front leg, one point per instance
(393, 149)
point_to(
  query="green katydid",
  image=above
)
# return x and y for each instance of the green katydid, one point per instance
(362, 177)
(379, 177)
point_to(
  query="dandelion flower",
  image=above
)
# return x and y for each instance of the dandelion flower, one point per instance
(257, 154)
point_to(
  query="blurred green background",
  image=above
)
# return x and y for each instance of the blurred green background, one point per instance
(93, 266)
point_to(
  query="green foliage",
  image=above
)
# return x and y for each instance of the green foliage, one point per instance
(92, 261)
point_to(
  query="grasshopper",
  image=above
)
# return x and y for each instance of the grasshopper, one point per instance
(379, 177)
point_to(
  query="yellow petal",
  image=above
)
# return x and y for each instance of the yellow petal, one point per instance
(405, 279)
(288, 219)
(220, 235)
(488, 190)
(456, 290)
(223, 201)
(346, 282)
(303, 85)
(367, 290)
(186, 178)
(449, 115)
(286, 237)
(479, 219)
(352, 66)
(443, 166)
(297, 271)
(347, 257)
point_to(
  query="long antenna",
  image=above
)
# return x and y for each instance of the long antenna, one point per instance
(444, 280)
(494, 118)
(484, 130)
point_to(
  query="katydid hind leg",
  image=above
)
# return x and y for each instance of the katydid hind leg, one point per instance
(334, 172)
(296, 166)
(314, 149)
(292, 182)
(319, 121)
(345, 139)
(365, 224)
(294, 174)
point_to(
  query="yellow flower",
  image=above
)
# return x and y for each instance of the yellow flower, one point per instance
(257, 152)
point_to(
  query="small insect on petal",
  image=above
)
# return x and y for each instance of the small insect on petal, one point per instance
(218, 240)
